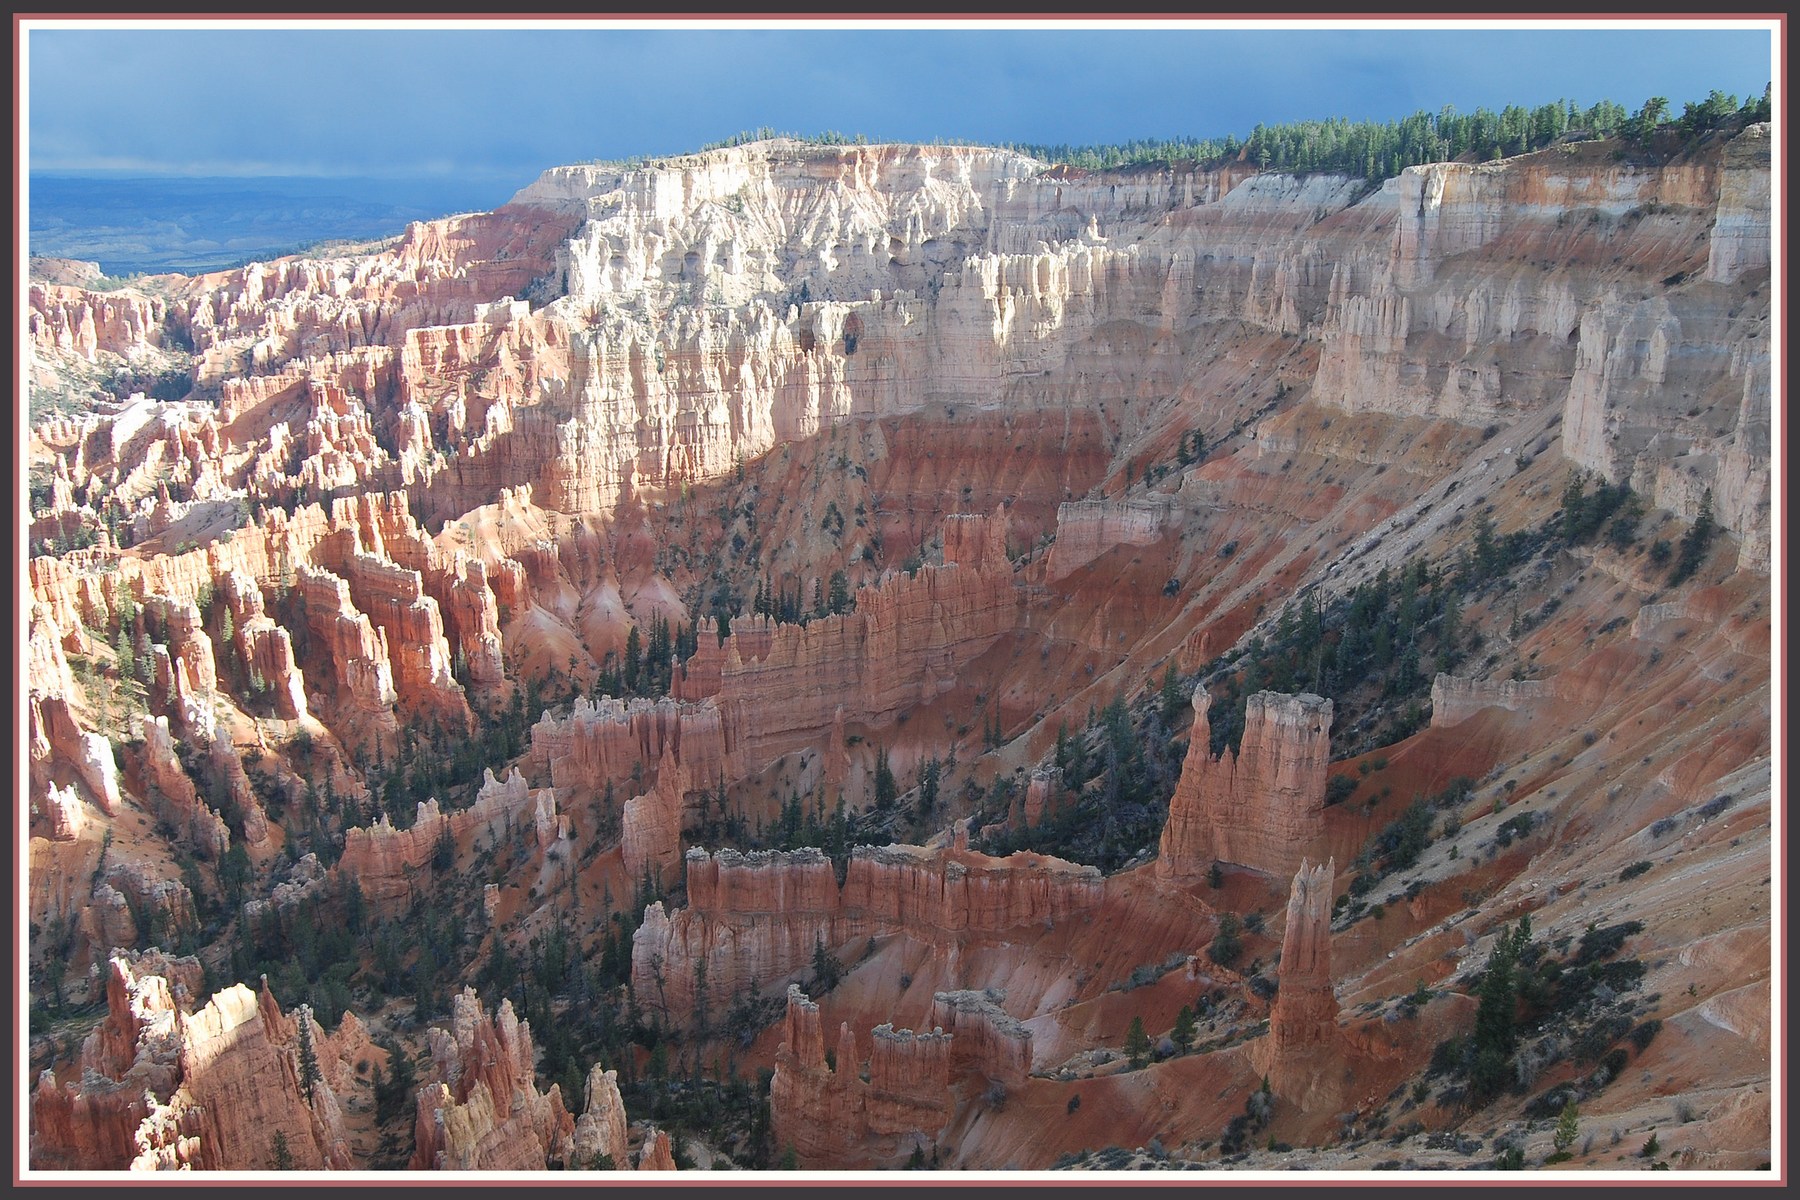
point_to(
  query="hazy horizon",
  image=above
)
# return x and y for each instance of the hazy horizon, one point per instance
(507, 103)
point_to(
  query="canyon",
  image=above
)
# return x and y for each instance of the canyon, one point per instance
(855, 657)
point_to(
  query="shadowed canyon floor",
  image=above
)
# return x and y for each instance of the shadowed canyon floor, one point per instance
(882, 656)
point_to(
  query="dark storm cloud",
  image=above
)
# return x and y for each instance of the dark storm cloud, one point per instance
(506, 103)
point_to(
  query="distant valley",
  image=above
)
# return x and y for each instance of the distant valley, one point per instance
(190, 224)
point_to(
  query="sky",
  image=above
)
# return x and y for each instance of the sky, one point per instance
(503, 104)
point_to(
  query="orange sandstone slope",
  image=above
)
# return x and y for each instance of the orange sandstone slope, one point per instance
(979, 595)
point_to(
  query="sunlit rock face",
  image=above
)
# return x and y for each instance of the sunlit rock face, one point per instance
(416, 501)
(165, 1087)
(482, 1111)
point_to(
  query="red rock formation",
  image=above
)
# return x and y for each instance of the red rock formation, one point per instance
(482, 1111)
(650, 825)
(909, 1081)
(160, 1089)
(384, 861)
(604, 741)
(949, 892)
(600, 1133)
(986, 1039)
(74, 322)
(1454, 700)
(829, 1114)
(263, 648)
(1086, 529)
(1262, 807)
(472, 621)
(173, 796)
(1299, 1058)
(760, 917)
(657, 1153)
(129, 891)
(66, 815)
(89, 755)
(361, 707)
(394, 599)
(780, 687)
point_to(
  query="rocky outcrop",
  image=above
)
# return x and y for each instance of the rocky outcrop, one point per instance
(263, 649)
(600, 1137)
(393, 598)
(88, 755)
(650, 825)
(1740, 234)
(131, 902)
(828, 1113)
(1454, 699)
(760, 917)
(987, 1041)
(363, 700)
(71, 321)
(610, 741)
(1299, 1057)
(1086, 529)
(950, 893)
(390, 865)
(63, 809)
(481, 1110)
(1260, 807)
(163, 1089)
(657, 1153)
(172, 795)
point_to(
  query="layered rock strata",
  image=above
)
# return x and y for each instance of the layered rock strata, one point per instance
(781, 687)
(1260, 807)
(1086, 529)
(827, 1112)
(988, 1041)
(761, 916)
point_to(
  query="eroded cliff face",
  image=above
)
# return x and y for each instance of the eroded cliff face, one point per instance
(764, 916)
(433, 490)
(746, 297)
(162, 1087)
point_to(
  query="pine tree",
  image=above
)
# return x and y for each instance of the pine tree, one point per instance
(886, 790)
(1695, 541)
(309, 1058)
(633, 659)
(1137, 1043)
(1568, 1127)
(1171, 693)
(827, 969)
(284, 1158)
(1186, 1029)
(928, 786)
